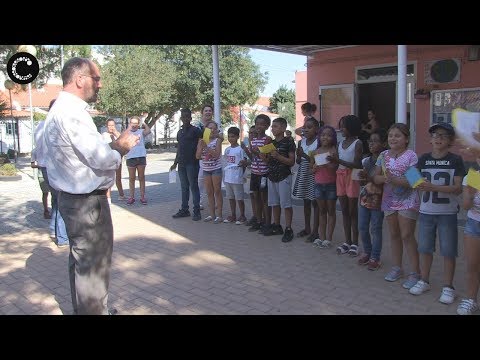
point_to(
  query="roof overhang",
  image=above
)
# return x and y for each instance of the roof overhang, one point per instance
(306, 50)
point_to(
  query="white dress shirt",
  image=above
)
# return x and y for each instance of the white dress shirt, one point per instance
(38, 154)
(78, 159)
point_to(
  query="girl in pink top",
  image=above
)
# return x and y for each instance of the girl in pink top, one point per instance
(325, 186)
(399, 201)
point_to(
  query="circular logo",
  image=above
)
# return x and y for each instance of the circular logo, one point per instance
(23, 68)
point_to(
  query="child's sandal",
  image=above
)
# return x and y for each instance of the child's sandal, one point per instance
(343, 249)
(353, 251)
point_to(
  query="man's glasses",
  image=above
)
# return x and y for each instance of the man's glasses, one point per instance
(439, 136)
(96, 78)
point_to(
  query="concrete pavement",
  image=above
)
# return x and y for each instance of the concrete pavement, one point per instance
(172, 266)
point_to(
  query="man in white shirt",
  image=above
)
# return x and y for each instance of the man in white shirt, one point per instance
(81, 167)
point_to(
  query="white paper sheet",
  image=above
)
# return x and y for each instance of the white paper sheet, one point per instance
(466, 123)
(321, 159)
(172, 176)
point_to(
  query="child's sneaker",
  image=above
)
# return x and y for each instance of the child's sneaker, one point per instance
(130, 201)
(229, 219)
(467, 307)
(143, 201)
(241, 220)
(448, 295)
(325, 244)
(374, 264)
(394, 274)
(122, 198)
(317, 242)
(411, 280)
(288, 235)
(419, 288)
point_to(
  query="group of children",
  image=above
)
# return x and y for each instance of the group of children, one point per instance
(368, 189)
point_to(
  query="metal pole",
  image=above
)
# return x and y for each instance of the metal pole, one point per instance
(13, 127)
(31, 114)
(402, 85)
(216, 85)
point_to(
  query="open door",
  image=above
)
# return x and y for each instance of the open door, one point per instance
(336, 101)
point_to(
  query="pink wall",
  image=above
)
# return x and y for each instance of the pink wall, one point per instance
(300, 96)
(338, 67)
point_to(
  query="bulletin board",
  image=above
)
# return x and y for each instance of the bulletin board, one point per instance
(444, 101)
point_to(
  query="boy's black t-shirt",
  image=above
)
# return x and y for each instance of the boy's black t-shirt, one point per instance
(278, 171)
(440, 172)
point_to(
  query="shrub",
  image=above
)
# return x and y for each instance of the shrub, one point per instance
(8, 170)
(4, 159)
(11, 153)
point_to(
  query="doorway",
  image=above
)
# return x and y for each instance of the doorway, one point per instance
(379, 97)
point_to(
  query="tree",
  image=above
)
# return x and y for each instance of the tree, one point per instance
(192, 74)
(281, 96)
(282, 103)
(48, 57)
(137, 79)
(287, 111)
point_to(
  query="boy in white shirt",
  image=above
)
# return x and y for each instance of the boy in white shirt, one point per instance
(236, 161)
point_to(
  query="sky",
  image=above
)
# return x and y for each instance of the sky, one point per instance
(281, 68)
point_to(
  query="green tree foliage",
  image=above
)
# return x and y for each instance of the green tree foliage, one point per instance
(287, 111)
(137, 79)
(190, 69)
(282, 103)
(48, 57)
(281, 96)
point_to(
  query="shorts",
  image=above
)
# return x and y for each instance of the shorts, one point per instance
(138, 161)
(446, 225)
(43, 184)
(345, 184)
(234, 191)
(326, 191)
(43, 180)
(472, 227)
(216, 172)
(408, 213)
(255, 182)
(279, 193)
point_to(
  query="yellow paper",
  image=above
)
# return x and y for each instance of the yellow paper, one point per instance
(267, 148)
(473, 179)
(206, 135)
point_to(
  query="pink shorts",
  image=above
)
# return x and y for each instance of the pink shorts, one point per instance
(345, 184)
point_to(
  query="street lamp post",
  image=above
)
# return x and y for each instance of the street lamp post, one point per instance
(9, 85)
(32, 51)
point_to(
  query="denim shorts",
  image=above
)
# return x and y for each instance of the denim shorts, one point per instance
(137, 161)
(326, 191)
(472, 227)
(216, 172)
(446, 226)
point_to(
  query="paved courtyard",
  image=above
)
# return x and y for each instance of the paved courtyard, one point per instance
(172, 266)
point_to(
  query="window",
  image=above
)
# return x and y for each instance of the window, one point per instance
(443, 102)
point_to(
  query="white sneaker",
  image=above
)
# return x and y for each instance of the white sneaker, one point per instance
(317, 242)
(467, 307)
(325, 244)
(419, 288)
(448, 295)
